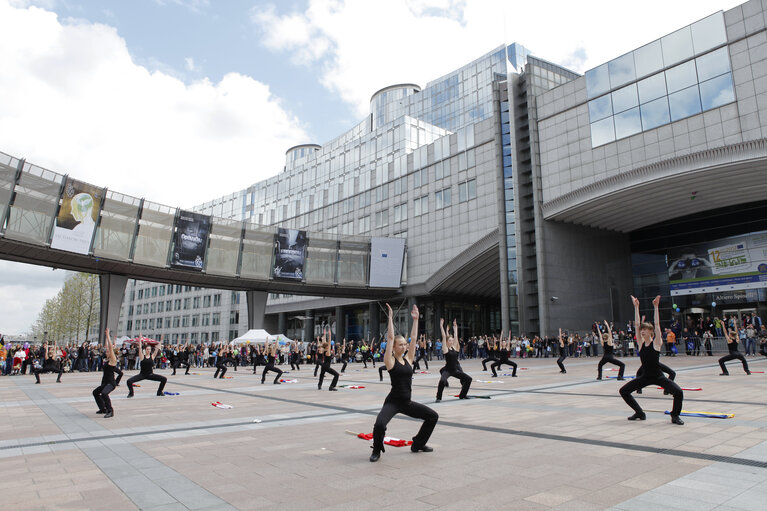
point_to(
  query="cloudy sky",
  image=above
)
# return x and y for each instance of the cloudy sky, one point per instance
(155, 97)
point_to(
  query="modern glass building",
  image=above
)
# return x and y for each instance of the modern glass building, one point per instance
(530, 197)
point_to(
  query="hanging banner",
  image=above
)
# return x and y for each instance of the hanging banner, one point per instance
(727, 264)
(386, 258)
(76, 221)
(289, 254)
(191, 240)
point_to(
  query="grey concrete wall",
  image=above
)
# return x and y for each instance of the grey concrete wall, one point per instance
(582, 265)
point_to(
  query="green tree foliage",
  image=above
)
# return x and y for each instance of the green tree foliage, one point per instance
(70, 315)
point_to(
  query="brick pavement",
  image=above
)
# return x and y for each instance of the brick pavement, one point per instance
(544, 440)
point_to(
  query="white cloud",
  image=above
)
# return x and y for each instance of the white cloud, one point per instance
(190, 65)
(364, 45)
(25, 288)
(75, 101)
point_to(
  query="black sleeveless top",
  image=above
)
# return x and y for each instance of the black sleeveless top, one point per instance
(401, 375)
(326, 360)
(146, 365)
(270, 359)
(650, 359)
(609, 350)
(733, 346)
(108, 378)
(504, 354)
(451, 360)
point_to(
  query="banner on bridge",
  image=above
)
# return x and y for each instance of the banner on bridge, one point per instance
(190, 240)
(289, 254)
(76, 221)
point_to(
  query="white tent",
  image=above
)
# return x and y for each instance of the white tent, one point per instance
(260, 336)
(121, 340)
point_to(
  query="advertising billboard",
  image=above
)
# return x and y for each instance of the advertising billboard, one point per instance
(190, 240)
(386, 257)
(290, 254)
(76, 221)
(726, 264)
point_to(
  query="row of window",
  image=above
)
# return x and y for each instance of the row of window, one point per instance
(193, 320)
(177, 304)
(161, 291)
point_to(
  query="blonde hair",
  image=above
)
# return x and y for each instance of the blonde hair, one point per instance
(646, 326)
(605, 336)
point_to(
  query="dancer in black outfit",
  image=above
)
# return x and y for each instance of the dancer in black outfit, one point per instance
(504, 357)
(665, 369)
(258, 357)
(398, 359)
(367, 354)
(344, 356)
(608, 357)
(271, 357)
(146, 364)
(649, 354)
(732, 345)
(295, 357)
(562, 352)
(450, 349)
(421, 352)
(221, 361)
(318, 357)
(51, 364)
(108, 383)
(492, 352)
(182, 358)
(327, 353)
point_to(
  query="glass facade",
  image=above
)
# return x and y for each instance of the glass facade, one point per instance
(672, 78)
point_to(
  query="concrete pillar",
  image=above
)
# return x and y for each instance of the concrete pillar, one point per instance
(374, 332)
(439, 312)
(309, 326)
(256, 308)
(112, 293)
(282, 322)
(340, 324)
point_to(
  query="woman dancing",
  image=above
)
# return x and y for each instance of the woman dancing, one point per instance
(504, 357)
(221, 358)
(398, 359)
(108, 383)
(492, 352)
(450, 349)
(732, 345)
(271, 358)
(295, 357)
(147, 354)
(649, 354)
(608, 357)
(421, 352)
(344, 356)
(327, 359)
(562, 352)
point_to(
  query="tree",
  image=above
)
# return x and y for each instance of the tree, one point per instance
(68, 316)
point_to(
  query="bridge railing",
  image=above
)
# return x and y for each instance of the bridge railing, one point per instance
(51, 210)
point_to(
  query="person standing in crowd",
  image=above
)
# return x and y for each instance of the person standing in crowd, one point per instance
(649, 353)
(398, 360)
(670, 343)
(53, 363)
(108, 383)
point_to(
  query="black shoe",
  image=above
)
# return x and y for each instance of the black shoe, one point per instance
(599, 377)
(160, 394)
(513, 375)
(278, 383)
(375, 456)
(666, 392)
(747, 372)
(620, 378)
(676, 420)
(423, 448)
(130, 395)
(638, 416)
(59, 381)
(102, 411)
(109, 414)
(37, 383)
(724, 374)
(495, 376)
(333, 389)
(437, 400)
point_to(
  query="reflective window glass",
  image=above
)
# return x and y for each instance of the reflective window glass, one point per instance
(627, 123)
(597, 81)
(655, 113)
(709, 32)
(621, 70)
(677, 46)
(625, 98)
(602, 132)
(684, 103)
(713, 64)
(681, 76)
(652, 88)
(600, 108)
(648, 59)
(717, 92)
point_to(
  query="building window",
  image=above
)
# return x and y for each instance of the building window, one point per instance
(154, 291)
(467, 190)
(382, 193)
(400, 185)
(206, 320)
(421, 177)
(442, 198)
(382, 218)
(130, 310)
(162, 290)
(195, 320)
(185, 321)
(153, 307)
(206, 301)
(187, 303)
(400, 212)
(167, 322)
(216, 318)
(365, 224)
(421, 205)
(177, 304)
(196, 302)
(140, 294)
(217, 300)
(347, 228)
(176, 321)
(214, 337)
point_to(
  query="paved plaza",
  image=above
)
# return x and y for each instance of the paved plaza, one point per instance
(544, 440)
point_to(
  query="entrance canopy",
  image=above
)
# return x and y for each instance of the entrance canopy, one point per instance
(260, 336)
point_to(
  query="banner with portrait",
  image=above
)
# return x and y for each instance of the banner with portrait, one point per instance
(76, 222)
(726, 264)
(190, 240)
(289, 254)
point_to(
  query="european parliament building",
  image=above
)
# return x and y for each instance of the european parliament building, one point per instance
(529, 197)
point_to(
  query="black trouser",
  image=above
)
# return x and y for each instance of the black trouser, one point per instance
(456, 373)
(328, 370)
(381, 371)
(101, 395)
(220, 368)
(488, 359)
(119, 374)
(345, 361)
(732, 356)
(367, 355)
(154, 377)
(270, 367)
(421, 356)
(507, 362)
(562, 357)
(179, 363)
(294, 362)
(391, 408)
(663, 367)
(256, 363)
(643, 381)
(316, 365)
(708, 348)
(231, 360)
(609, 359)
(49, 367)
